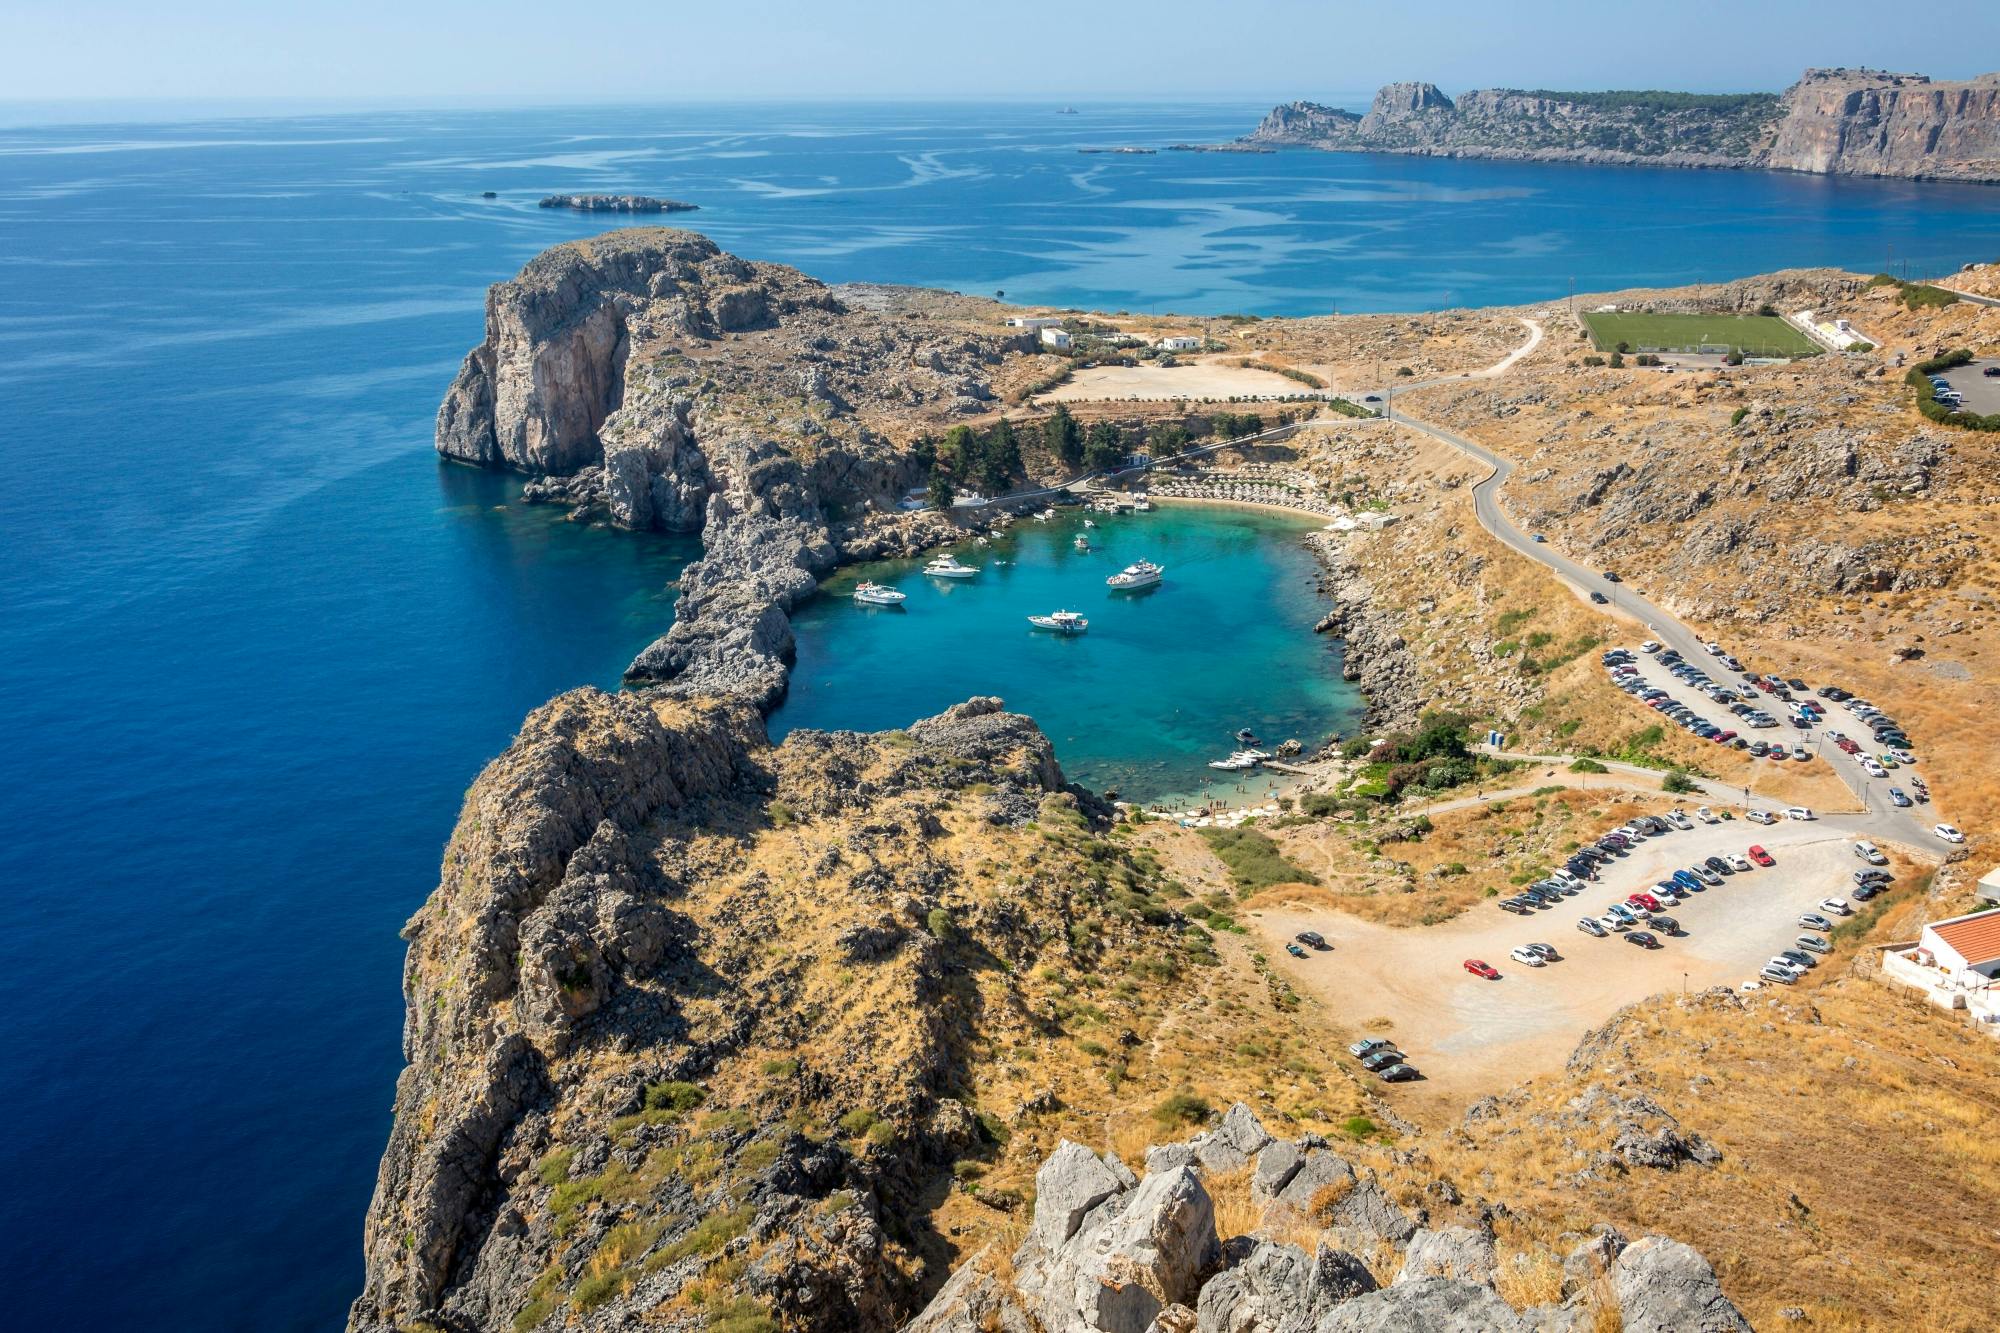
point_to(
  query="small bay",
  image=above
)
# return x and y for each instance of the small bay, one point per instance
(1140, 703)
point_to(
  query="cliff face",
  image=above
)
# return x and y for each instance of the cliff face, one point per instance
(649, 379)
(1856, 122)
(1843, 122)
(662, 960)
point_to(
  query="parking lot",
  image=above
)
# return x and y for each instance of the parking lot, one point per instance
(1982, 395)
(1471, 1036)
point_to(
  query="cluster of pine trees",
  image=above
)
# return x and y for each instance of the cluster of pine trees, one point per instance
(990, 461)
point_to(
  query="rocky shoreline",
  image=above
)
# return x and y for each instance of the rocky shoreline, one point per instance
(1375, 654)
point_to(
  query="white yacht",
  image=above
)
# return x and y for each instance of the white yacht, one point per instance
(1142, 574)
(1062, 622)
(948, 567)
(874, 594)
(1143, 505)
(1241, 759)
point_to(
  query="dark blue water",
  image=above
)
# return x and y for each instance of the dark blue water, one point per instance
(254, 641)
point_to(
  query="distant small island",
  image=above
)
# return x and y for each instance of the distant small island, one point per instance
(1136, 152)
(617, 203)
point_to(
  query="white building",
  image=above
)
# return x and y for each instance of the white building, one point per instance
(1373, 521)
(1989, 886)
(1955, 964)
(1033, 321)
(1180, 343)
(1057, 338)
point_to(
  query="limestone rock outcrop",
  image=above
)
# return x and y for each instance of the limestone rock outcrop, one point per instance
(1106, 1253)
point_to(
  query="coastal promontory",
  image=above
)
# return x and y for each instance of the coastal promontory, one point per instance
(1853, 122)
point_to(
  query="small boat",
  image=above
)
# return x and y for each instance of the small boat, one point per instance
(1082, 543)
(1061, 622)
(874, 594)
(1143, 505)
(1246, 737)
(1141, 574)
(1045, 516)
(1090, 522)
(948, 567)
(1241, 759)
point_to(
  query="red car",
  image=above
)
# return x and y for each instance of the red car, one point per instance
(1724, 737)
(1479, 969)
(1760, 856)
(1645, 900)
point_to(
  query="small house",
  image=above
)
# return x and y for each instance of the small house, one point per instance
(1058, 339)
(1180, 343)
(1963, 948)
(1033, 321)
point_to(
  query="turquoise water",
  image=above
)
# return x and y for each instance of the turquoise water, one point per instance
(1155, 689)
(254, 641)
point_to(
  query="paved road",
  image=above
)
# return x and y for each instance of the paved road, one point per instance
(1973, 297)
(1888, 821)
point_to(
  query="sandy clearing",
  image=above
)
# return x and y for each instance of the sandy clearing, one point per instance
(1159, 383)
(1471, 1037)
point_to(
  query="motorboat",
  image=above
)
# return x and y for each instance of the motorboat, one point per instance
(874, 594)
(1082, 543)
(948, 567)
(1060, 622)
(1143, 505)
(1239, 760)
(1141, 574)
(1246, 737)
(1090, 522)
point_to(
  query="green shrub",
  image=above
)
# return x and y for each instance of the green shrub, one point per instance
(941, 925)
(742, 1315)
(707, 1236)
(1736, 417)
(1358, 1127)
(554, 1168)
(1254, 860)
(674, 1096)
(1677, 782)
(781, 1068)
(858, 1122)
(1182, 1108)
(1588, 765)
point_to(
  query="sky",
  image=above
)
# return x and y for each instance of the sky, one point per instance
(416, 52)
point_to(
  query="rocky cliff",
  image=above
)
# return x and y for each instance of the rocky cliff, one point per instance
(691, 1018)
(648, 379)
(1842, 122)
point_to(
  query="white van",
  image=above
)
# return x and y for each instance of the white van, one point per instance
(1870, 853)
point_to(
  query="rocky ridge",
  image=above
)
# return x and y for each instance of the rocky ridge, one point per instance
(1833, 121)
(647, 378)
(1110, 1250)
(626, 1054)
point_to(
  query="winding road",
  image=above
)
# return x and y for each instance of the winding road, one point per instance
(1881, 819)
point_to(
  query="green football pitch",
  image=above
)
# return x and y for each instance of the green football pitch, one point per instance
(1755, 335)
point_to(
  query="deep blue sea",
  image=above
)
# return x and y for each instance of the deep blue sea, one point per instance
(254, 640)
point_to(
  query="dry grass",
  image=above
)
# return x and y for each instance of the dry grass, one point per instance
(1529, 1278)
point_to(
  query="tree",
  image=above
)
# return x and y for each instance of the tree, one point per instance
(999, 457)
(1104, 448)
(959, 450)
(1677, 782)
(1168, 438)
(939, 493)
(1063, 437)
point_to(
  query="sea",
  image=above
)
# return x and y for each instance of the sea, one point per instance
(255, 640)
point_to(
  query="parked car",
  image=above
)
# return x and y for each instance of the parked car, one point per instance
(1705, 875)
(1645, 900)
(1482, 969)
(1597, 598)
(1900, 798)
(1814, 921)
(1799, 812)
(1835, 907)
(1870, 853)
(1948, 833)
(1590, 925)
(1706, 816)
(1525, 956)
(1787, 966)
(1376, 1061)
(1644, 939)
(1650, 646)
(1610, 577)
(1369, 1045)
(1761, 817)
(1719, 866)
(1312, 939)
(1868, 890)
(1782, 975)
(1814, 944)
(1666, 925)
(1799, 956)
(1760, 856)
(1547, 951)
(1737, 863)
(1398, 1074)
(1295, 951)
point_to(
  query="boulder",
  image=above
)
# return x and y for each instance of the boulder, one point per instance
(1128, 1264)
(1427, 1305)
(1070, 1184)
(1663, 1286)
(1459, 1252)
(1276, 1166)
(1269, 1289)
(1231, 1145)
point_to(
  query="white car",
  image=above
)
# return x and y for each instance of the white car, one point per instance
(1613, 923)
(1799, 812)
(1761, 817)
(1650, 646)
(1783, 964)
(1714, 649)
(1527, 957)
(1873, 769)
(1752, 984)
(1835, 906)
(1707, 816)
(1736, 862)
(1948, 833)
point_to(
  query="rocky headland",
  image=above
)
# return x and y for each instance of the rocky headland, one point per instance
(1853, 122)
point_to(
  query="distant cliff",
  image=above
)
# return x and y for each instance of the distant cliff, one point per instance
(1838, 122)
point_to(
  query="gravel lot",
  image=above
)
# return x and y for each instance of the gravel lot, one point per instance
(1470, 1037)
(1982, 395)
